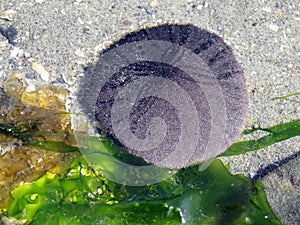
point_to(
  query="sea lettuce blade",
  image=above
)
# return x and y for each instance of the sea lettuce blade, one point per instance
(213, 196)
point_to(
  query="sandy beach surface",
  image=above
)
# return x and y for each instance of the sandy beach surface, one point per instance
(64, 36)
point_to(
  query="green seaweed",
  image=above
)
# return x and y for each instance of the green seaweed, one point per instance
(276, 134)
(212, 196)
(55, 146)
(287, 96)
(25, 133)
(193, 196)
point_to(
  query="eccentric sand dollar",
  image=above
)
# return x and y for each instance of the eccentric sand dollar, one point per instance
(172, 94)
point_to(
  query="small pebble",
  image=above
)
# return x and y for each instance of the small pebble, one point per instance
(60, 80)
(252, 175)
(80, 21)
(11, 34)
(27, 55)
(79, 53)
(45, 76)
(40, 69)
(30, 76)
(199, 7)
(12, 64)
(8, 15)
(126, 22)
(30, 88)
(86, 30)
(154, 3)
(148, 10)
(274, 27)
(267, 9)
(16, 52)
(3, 44)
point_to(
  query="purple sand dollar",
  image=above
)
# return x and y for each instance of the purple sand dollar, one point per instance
(172, 94)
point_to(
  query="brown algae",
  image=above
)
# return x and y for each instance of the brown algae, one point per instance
(40, 112)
